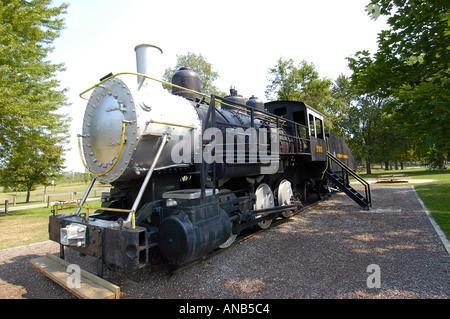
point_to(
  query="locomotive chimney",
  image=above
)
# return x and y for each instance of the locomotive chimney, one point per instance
(147, 60)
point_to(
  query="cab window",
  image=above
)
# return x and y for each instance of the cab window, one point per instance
(312, 126)
(319, 128)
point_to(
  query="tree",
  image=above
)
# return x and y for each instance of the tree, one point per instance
(363, 125)
(35, 160)
(411, 67)
(343, 96)
(371, 133)
(200, 65)
(32, 132)
(299, 83)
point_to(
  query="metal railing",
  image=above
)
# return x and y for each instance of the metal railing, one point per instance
(349, 171)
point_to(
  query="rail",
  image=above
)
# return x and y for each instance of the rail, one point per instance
(59, 207)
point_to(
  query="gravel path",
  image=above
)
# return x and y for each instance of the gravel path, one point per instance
(323, 252)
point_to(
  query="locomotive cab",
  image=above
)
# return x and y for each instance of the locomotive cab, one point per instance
(305, 122)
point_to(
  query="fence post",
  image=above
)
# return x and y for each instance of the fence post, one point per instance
(6, 206)
(48, 201)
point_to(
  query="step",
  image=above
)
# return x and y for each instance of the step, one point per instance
(350, 191)
(90, 286)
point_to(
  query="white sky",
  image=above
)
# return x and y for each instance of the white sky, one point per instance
(242, 39)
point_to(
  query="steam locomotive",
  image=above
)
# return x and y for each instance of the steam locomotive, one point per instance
(189, 172)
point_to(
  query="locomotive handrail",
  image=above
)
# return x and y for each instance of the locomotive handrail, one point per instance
(131, 217)
(59, 206)
(349, 170)
(62, 205)
(178, 87)
(141, 75)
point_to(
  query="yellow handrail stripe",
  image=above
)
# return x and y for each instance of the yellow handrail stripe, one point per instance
(115, 161)
(144, 76)
(170, 124)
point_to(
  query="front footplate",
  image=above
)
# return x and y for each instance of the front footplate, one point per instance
(110, 242)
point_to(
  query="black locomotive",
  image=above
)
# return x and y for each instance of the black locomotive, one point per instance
(190, 172)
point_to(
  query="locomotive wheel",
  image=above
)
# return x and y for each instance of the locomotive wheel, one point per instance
(229, 241)
(284, 196)
(264, 199)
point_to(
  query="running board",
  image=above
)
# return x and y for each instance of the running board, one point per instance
(342, 182)
(86, 286)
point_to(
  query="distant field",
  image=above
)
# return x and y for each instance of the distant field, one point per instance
(58, 192)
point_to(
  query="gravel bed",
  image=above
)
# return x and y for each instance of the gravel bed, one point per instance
(323, 252)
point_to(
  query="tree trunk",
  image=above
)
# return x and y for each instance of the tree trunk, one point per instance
(368, 168)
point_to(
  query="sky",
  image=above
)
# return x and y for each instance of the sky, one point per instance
(242, 39)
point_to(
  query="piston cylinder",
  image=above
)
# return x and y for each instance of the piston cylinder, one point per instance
(193, 228)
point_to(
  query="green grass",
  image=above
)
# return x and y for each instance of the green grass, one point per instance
(27, 226)
(436, 196)
(24, 227)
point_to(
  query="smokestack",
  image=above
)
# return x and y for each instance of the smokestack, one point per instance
(147, 60)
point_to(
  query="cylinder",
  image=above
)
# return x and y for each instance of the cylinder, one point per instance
(147, 60)
(181, 240)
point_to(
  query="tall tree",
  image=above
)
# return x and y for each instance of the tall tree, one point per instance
(299, 83)
(412, 67)
(344, 98)
(32, 132)
(200, 65)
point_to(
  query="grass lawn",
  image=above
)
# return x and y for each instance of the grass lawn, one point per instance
(28, 226)
(436, 196)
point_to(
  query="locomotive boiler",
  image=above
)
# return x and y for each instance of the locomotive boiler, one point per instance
(188, 171)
